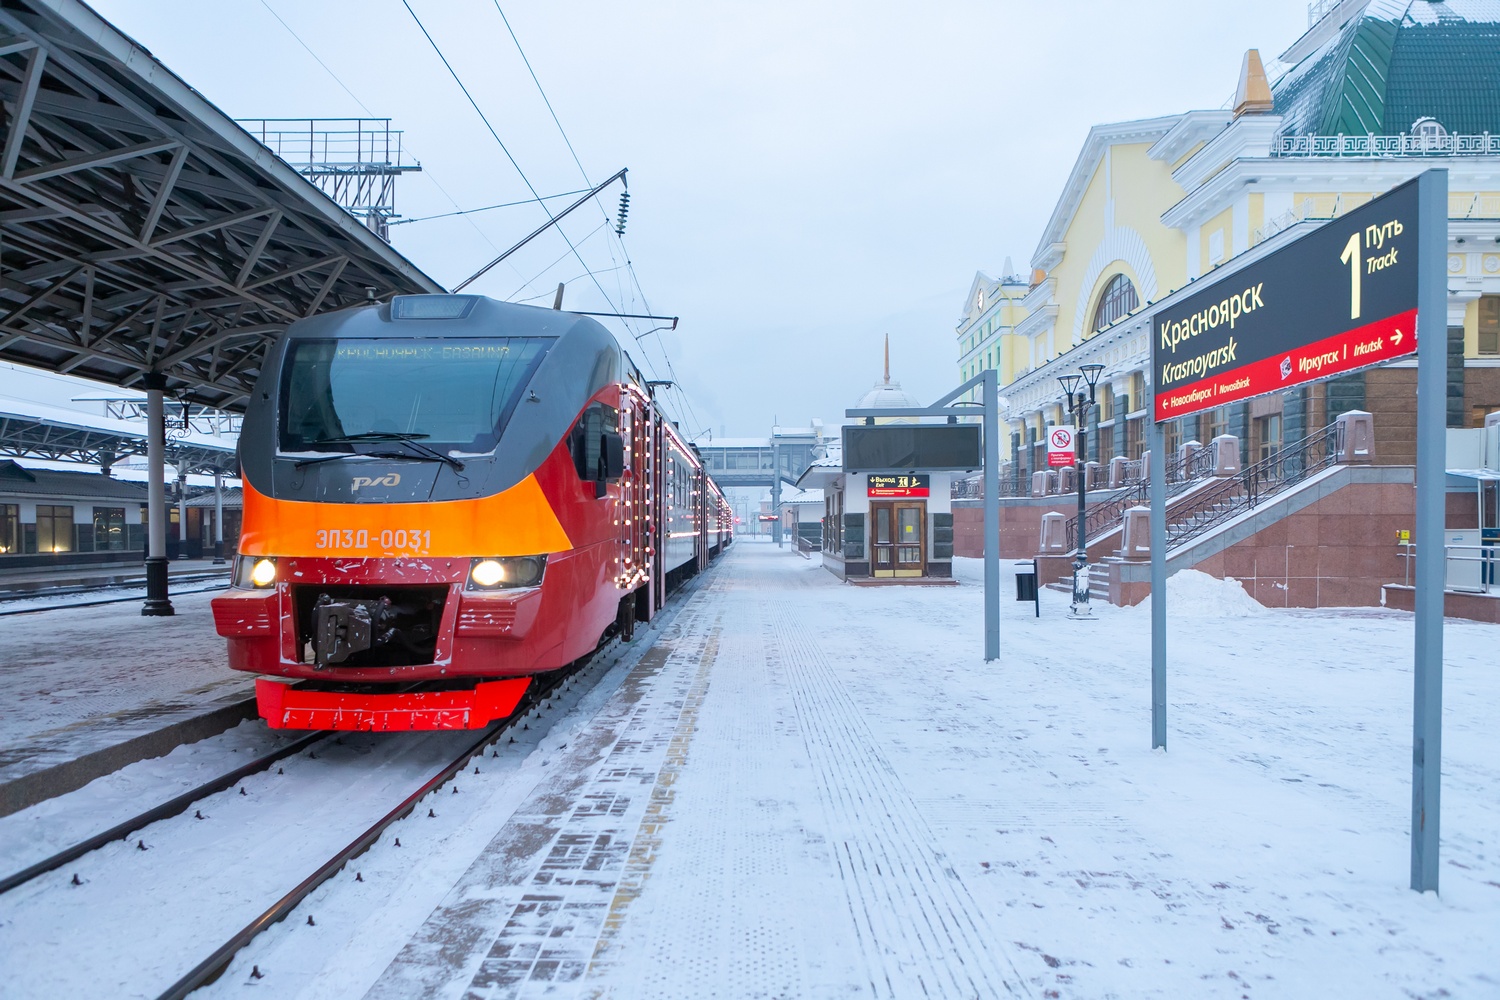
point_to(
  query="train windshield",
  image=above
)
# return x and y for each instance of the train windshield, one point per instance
(452, 394)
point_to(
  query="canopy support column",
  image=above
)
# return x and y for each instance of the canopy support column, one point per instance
(158, 604)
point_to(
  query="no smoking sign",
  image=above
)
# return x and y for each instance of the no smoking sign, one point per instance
(1060, 447)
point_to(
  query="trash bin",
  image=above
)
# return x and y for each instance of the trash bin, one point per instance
(1026, 581)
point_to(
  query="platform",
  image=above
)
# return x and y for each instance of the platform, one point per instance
(810, 790)
(23, 581)
(89, 690)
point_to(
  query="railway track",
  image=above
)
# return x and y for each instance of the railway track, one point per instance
(544, 691)
(215, 581)
(209, 969)
(172, 807)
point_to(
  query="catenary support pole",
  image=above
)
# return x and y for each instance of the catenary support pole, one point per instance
(182, 524)
(1158, 578)
(158, 603)
(775, 489)
(218, 518)
(991, 515)
(1427, 701)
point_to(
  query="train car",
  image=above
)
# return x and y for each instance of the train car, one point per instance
(445, 495)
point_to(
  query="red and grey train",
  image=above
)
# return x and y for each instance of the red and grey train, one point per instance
(443, 496)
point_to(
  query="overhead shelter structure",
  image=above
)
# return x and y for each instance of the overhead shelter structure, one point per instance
(148, 241)
(31, 430)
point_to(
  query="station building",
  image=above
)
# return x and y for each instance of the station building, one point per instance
(48, 517)
(1374, 93)
(895, 528)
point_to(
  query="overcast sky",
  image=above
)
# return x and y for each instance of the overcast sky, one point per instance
(805, 177)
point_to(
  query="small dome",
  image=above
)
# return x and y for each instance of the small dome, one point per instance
(890, 395)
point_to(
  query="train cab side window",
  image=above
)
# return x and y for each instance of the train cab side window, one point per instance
(596, 446)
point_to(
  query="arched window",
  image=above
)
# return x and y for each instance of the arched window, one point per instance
(1118, 301)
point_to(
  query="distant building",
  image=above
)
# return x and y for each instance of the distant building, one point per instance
(891, 528)
(51, 519)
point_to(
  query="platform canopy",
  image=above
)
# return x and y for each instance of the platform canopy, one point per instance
(29, 430)
(142, 230)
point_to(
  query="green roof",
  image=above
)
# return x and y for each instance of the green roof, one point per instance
(1394, 63)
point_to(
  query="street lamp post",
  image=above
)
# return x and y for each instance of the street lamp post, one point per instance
(1080, 407)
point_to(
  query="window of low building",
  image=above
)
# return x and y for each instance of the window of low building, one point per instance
(1117, 301)
(10, 528)
(54, 528)
(1489, 324)
(109, 529)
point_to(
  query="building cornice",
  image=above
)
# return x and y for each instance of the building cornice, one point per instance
(1099, 138)
(1465, 173)
(1248, 136)
(1191, 129)
(1042, 319)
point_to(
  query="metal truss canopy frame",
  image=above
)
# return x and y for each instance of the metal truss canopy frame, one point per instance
(142, 231)
(29, 436)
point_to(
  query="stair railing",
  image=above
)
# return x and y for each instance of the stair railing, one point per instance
(1272, 475)
(1181, 473)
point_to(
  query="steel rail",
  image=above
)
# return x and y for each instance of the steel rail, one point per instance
(90, 604)
(210, 968)
(171, 807)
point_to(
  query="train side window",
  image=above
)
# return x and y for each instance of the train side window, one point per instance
(596, 446)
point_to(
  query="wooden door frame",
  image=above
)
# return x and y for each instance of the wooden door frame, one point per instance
(894, 504)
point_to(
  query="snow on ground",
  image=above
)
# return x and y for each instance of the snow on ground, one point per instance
(112, 595)
(846, 800)
(109, 668)
(1265, 853)
(42, 830)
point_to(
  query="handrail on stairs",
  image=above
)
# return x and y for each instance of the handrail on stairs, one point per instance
(1274, 474)
(1182, 472)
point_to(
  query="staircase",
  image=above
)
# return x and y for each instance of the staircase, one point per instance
(1198, 503)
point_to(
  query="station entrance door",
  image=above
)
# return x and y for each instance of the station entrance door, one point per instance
(898, 544)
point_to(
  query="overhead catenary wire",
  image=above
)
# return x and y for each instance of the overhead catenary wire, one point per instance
(486, 208)
(629, 265)
(501, 143)
(327, 69)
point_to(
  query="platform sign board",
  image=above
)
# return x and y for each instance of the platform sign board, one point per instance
(911, 447)
(914, 485)
(1340, 298)
(1355, 292)
(1060, 449)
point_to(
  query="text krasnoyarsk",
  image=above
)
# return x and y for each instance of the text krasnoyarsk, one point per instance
(1219, 314)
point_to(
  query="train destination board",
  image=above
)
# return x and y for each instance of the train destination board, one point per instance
(914, 485)
(1340, 298)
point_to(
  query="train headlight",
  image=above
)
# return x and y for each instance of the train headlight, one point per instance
(254, 572)
(506, 572)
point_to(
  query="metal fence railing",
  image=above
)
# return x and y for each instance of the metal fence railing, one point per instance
(1467, 569)
(1271, 475)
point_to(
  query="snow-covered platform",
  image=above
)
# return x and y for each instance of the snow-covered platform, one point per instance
(813, 790)
(89, 690)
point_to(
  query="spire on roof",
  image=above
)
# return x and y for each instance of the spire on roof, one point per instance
(1253, 95)
(887, 359)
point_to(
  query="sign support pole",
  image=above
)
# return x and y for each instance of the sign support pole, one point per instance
(1427, 700)
(1158, 579)
(991, 515)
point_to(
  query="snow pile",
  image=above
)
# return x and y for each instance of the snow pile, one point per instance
(1194, 594)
